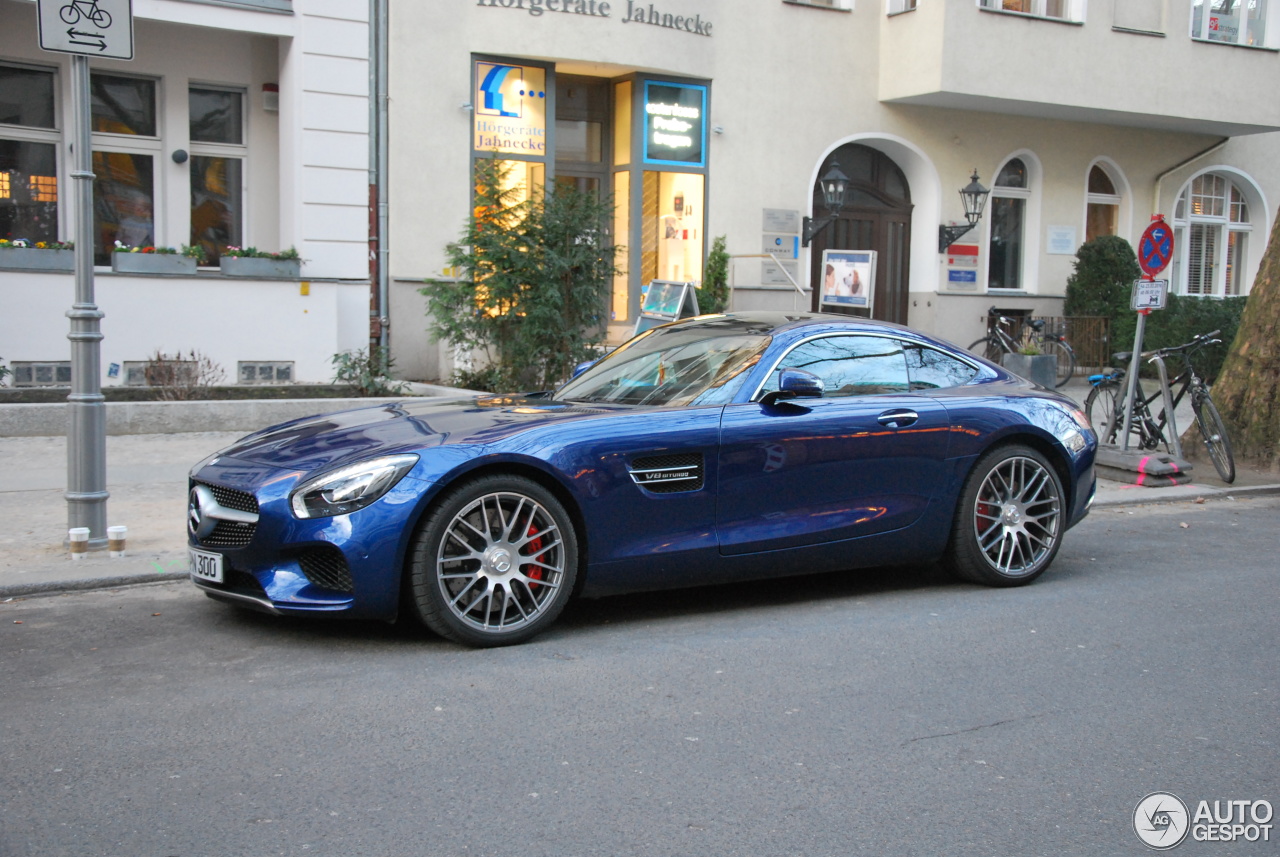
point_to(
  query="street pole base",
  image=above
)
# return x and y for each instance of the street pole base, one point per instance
(1146, 468)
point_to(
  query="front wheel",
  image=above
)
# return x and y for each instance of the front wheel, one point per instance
(1215, 436)
(988, 347)
(1100, 409)
(494, 563)
(1009, 522)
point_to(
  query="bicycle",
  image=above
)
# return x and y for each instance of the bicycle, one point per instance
(1104, 406)
(998, 342)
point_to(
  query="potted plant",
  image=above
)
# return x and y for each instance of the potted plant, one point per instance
(259, 264)
(20, 254)
(1031, 364)
(156, 260)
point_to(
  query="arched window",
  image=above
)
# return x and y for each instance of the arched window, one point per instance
(1009, 199)
(1212, 228)
(1103, 207)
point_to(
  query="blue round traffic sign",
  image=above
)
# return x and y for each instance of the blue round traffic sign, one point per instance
(1156, 247)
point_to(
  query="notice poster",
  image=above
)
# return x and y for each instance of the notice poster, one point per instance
(848, 278)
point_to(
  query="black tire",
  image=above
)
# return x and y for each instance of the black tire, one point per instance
(1215, 436)
(1010, 520)
(988, 347)
(1100, 408)
(1066, 358)
(494, 562)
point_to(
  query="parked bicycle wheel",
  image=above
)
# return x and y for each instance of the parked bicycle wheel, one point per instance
(988, 347)
(1100, 408)
(1066, 359)
(1214, 434)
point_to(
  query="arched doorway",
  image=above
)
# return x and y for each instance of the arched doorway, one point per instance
(876, 216)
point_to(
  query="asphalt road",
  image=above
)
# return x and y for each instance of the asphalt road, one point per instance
(896, 713)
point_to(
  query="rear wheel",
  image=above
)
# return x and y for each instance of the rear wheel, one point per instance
(1215, 436)
(494, 563)
(1009, 523)
(1066, 358)
(988, 347)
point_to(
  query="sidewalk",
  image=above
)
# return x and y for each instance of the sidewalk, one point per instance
(146, 476)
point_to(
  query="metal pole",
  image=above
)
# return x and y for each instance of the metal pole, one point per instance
(86, 411)
(1134, 363)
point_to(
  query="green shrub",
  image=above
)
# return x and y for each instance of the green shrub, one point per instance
(713, 297)
(1105, 269)
(533, 286)
(367, 373)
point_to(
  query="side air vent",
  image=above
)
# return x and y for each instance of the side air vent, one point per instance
(668, 474)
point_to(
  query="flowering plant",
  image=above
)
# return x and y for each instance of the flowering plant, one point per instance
(37, 245)
(255, 253)
(193, 252)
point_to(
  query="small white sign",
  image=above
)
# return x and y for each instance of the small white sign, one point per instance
(95, 28)
(1062, 240)
(1149, 294)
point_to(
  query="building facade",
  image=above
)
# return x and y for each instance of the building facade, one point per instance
(718, 117)
(236, 124)
(251, 123)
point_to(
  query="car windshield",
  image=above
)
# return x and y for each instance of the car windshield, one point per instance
(692, 364)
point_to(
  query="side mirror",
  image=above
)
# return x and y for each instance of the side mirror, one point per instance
(795, 384)
(582, 367)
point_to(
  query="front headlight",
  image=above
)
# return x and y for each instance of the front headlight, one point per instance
(344, 491)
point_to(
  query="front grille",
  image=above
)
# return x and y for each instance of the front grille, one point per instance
(668, 474)
(230, 534)
(241, 501)
(326, 566)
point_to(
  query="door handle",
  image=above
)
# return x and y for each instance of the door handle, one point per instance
(898, 418)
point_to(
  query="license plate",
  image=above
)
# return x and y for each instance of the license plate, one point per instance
(205, 566)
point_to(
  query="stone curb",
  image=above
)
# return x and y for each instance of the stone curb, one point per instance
(1172, 494)
(55, 587)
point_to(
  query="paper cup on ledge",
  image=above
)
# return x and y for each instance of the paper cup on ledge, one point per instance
(115, 540)
(78, 539)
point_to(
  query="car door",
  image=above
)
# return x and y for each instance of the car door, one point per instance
(865, 458)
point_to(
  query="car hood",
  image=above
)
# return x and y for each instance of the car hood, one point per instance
(330, 440)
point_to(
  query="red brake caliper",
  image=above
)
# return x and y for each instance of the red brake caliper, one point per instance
(535, 573)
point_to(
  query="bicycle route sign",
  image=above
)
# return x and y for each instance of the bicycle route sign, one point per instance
(96, 28)
(1155, 249)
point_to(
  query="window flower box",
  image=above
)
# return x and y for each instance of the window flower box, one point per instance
(260, 268)
(259, 264)
(35, 259)
(152, 263)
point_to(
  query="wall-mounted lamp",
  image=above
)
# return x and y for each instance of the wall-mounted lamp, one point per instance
(974, 198)
(834, 184)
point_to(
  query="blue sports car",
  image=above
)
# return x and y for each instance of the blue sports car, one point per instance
(721, 448)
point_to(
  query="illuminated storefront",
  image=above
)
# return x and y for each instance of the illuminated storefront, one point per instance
(641, 139)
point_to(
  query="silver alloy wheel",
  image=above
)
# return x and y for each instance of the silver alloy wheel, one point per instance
(501, 562)
(1017, 515)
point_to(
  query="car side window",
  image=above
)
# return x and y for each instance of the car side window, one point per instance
(930, 369)
(849, 365)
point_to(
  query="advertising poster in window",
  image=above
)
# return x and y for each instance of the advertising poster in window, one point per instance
(510, 108)
(675, 130)
(848, 278)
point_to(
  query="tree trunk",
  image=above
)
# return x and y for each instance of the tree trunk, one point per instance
(1248, 389)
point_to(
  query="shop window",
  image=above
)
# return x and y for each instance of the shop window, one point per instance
(1212, 226)
(672, 242)
(1103, 207)
(899, 6)
(216, 124)
(1008, 214)
(28, 154)
(126, 147)
(1233, 22)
